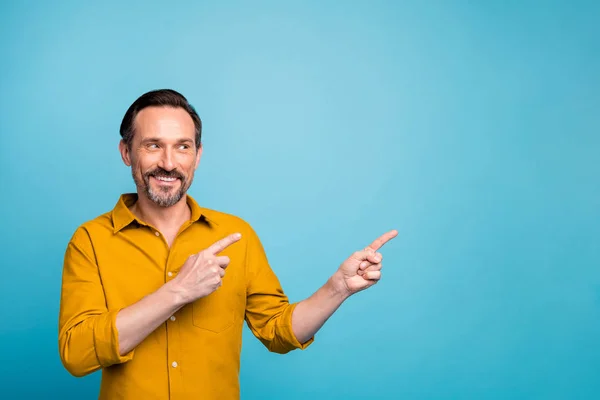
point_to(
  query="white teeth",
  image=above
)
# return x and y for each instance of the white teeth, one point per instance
(162, 178)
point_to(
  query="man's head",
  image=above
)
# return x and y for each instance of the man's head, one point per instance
(161, 135)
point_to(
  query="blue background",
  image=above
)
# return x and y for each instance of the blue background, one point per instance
(471, 127)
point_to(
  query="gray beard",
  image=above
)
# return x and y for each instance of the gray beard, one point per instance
(162, 198)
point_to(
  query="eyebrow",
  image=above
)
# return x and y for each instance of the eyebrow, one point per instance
(155, 139)
(185, 141)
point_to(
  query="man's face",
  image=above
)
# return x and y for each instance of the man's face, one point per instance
(163, 155)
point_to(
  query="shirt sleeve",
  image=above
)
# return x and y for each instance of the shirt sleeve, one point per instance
(268, 311)
(88, 336)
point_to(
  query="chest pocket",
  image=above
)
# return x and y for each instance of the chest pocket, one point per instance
(217, 311)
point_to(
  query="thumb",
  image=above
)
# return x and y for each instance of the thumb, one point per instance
(361, 255)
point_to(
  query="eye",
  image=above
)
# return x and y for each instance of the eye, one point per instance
(152, 146)
(184, 146)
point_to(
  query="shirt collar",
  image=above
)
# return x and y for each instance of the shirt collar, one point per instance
(122, 215)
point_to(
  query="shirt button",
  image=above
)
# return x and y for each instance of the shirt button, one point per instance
(172, 318)
(157, 233)
(174, 364)
(169, 273)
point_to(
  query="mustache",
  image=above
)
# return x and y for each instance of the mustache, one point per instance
(161, 173)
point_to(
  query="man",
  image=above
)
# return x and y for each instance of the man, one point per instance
(155, 292)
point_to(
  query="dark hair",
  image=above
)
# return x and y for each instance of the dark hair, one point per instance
(158, 98)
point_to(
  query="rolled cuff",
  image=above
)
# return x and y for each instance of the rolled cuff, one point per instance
(106, 340)
(286, 333)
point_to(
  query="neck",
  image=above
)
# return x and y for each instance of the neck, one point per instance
(162, 218)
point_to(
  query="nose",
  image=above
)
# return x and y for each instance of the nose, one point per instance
(166, 160)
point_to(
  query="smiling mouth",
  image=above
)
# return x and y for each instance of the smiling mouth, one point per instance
(163, 179)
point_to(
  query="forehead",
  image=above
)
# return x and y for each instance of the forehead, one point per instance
(164, 122)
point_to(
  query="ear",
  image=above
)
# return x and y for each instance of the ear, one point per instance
(198, 155)
(125, 154)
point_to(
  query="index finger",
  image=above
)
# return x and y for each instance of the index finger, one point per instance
(383, 239)
(222, 244)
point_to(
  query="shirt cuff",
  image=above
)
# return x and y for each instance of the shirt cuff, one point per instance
(106, 340)
(287, 331)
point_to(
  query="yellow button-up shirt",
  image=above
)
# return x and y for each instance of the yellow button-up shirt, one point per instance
(116, 259)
